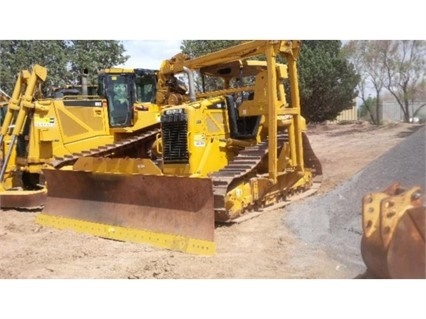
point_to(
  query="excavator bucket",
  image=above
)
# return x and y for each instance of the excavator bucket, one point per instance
(393, 242)
(165, 211)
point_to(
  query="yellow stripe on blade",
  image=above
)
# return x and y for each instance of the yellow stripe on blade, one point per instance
(168, 241)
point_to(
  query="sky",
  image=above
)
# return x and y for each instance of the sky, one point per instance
(152, 33)
(152, 40)
(149, 54)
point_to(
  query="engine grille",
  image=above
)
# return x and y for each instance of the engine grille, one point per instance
(174, 136)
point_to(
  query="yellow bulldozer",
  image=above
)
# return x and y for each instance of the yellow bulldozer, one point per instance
(73, 122)
(232, 141)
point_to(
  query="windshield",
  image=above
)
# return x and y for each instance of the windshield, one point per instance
(119, 94)
(145, 89)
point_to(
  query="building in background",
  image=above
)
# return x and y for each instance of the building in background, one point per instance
(348, 114)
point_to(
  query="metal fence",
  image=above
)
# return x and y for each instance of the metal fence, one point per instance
(348, 115)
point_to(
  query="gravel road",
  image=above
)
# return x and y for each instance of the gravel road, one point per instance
(333, 221)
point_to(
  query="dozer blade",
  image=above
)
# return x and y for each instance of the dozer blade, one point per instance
(165, 211)
(22, 199)
(393, 242)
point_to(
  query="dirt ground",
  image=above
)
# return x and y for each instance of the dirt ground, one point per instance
(262, 247)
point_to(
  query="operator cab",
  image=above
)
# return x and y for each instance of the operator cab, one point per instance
(123, 90)
(119, 93)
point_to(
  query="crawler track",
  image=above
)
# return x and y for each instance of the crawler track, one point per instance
(110, 150)
(245, 163)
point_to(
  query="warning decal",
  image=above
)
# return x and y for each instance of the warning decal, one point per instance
(44, 121)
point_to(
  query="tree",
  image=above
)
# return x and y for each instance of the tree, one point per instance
(327, 80)
(398, 66)
(94, 56)
(369, 108)
(17, 55)
(366, 56)
(405, 65)
(65, 60)
(195, 48)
